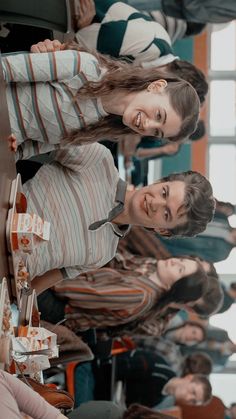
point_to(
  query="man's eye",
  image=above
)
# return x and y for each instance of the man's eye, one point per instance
(164, 193)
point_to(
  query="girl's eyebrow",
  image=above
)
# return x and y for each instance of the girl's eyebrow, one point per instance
(165, 116)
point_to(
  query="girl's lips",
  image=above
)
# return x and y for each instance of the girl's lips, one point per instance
(137, 122)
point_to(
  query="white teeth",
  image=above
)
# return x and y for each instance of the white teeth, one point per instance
(138, 120)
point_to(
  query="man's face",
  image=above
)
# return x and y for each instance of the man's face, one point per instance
(189, 392)
(157, 206)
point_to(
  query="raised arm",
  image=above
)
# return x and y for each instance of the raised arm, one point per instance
(50, 66)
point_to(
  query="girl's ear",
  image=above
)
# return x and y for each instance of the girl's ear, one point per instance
(157, 86)
(163, 232)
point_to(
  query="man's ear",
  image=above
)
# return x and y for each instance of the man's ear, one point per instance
(157, 86)
(163, 232)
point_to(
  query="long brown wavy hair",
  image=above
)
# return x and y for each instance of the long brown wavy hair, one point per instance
(121, 75)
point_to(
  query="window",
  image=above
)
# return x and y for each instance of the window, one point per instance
(222, 121)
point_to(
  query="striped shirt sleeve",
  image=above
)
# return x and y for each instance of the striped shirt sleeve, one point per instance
(82, 157)
(30, 148)
(51, 66)
(106, 297)
(106, 290)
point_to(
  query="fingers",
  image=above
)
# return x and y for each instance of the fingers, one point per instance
(86, 12)
(57, 45)
(39, 47)
(47, 46)
(87, 6)
(12, 143)
(172, 148)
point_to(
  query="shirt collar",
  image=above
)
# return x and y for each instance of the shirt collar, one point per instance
(121, 230)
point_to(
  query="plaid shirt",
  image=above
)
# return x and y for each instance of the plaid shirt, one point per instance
(164, 347)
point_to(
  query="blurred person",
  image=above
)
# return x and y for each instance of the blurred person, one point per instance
(197, 363)
(229, 297)
(99, 409)
(153, 48)
(191, 364)
(201, 11)
(213, 245)
(189, 333)
(148, 379)
(212, 300)
(232, 411)
(217, 345)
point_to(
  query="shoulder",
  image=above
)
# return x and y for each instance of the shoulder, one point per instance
(89, 65)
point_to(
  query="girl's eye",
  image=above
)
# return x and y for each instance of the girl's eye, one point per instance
(158, 116)
(164, 193)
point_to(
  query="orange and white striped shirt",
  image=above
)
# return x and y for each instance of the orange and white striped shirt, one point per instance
(110, 297)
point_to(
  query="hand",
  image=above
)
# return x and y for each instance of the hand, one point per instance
(85, 12)
(47, 46)
(128, 144)
(171, 148)
(12, 143)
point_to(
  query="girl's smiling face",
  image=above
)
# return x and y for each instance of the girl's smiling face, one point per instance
(150, 113)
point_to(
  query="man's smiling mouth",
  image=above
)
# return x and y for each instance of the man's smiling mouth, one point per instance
(145, 205)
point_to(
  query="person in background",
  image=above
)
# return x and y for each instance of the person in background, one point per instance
(201, 11)
(138, 39)
(232, 411)
(148, 380)
(217, 345)
(99, 409)
(193, 363)
(229, 297)
(213, 245)
(188, 333)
